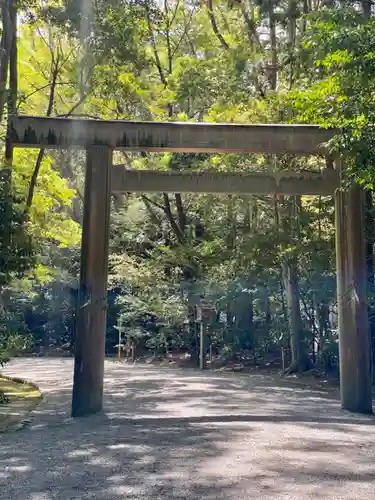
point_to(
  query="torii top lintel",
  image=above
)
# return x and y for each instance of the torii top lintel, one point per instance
(42, 132)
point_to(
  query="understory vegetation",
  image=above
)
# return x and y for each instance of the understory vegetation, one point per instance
(265, 263)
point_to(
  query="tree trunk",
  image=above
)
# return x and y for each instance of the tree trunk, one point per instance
(133, 348)
(273, 42)
(320, 323)
(292, 13)
(287, 222)
(6, 40)
(8, 60)
(268, 318)
(366, 7)
(369, 232)
(299, 359)
(202, 346)
(354, 338)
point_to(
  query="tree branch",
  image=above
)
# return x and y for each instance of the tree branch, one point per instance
(187, 24)
(174, 225)
(215, 28)
(180, 212)
(175, 12)
(153, 202)
(251, 27)
(147, 202)
(166, 208)
(154, 48)
(35, 91)
(40, 157)
(80, 101)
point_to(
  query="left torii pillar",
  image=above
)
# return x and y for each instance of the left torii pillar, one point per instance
(92, 306)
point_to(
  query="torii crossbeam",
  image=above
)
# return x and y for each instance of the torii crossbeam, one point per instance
(101, 138)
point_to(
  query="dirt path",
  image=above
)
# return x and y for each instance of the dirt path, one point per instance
(179, 435)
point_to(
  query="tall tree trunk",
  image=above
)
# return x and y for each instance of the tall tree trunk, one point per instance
(369, 232)
(298, 361)
(232, 223)
(292, 28)
(10, 26)
(273, 42)
(366, 8)
(13, 81)
(5, 44)
(319, 326)
(268, 318)
(289, 266)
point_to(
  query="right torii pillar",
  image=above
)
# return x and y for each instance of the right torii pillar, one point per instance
(354, 333)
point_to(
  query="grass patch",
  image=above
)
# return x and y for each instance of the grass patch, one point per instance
(20, 398)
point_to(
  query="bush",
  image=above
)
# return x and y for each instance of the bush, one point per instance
(3, 398)
(329, 355)
(4, 357)
(16, 247)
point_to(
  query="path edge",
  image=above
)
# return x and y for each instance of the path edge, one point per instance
(26, 420)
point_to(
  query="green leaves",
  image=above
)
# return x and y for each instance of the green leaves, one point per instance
(343, 88)
(170, 61)
(16, 246)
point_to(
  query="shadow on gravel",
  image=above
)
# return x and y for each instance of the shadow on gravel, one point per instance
(172, 435)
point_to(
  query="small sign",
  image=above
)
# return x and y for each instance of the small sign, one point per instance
(199, 314)
(206, 305)
(204, 310)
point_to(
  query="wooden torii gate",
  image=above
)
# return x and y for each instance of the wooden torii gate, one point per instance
(101, 138)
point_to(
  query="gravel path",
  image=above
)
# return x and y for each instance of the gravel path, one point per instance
(179, 435)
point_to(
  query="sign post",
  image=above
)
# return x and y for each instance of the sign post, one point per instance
(119, 347)
(203, 314)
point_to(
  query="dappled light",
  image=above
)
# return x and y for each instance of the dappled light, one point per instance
(174, 433)
(187, 186)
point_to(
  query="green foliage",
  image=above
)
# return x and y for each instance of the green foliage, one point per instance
(4, 359)
(339, 91)
(242, 62)
(3, 397)
(16, 247)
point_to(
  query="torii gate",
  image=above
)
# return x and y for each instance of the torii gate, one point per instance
(101, 138)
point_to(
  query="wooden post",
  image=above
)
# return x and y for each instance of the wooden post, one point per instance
(202, 349)
(133, 351)
(92, 311)
(119, 341)
(358, 303)
(354, 336)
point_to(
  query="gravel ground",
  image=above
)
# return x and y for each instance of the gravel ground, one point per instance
(181, 435)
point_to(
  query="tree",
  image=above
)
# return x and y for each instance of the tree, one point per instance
(271, 278)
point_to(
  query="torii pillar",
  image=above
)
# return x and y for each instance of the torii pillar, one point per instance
(354, 334)
(92, 303)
